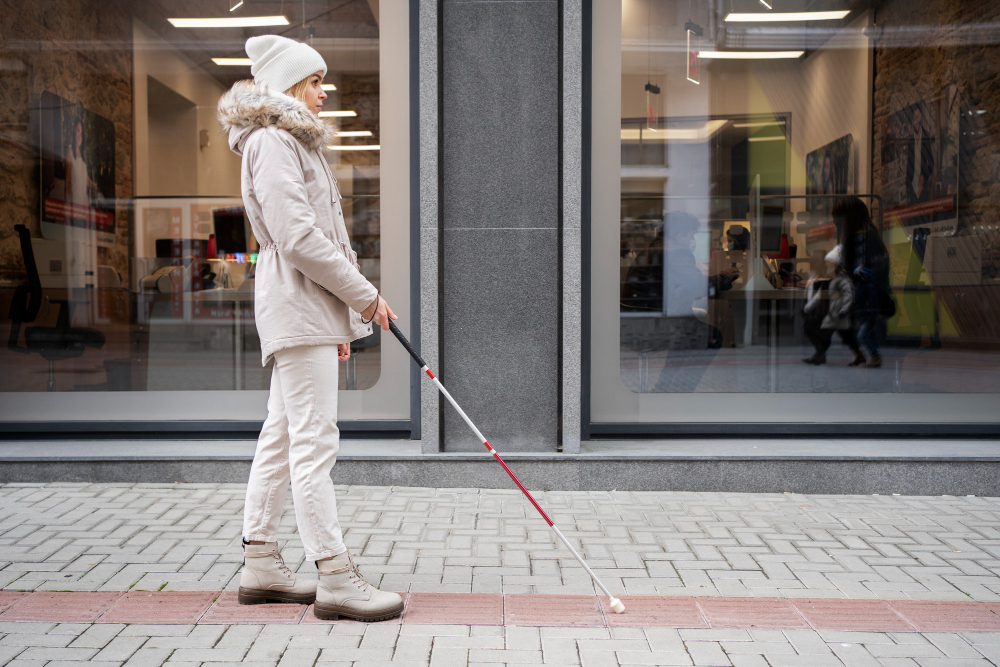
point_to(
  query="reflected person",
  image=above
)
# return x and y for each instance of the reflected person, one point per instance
(686, 293)
(866, 259)
(829, 303)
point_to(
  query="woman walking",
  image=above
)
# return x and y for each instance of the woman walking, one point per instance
(310, 302)
(866, 260)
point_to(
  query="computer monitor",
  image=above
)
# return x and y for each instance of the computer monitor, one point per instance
(771, 225)
(230, 230)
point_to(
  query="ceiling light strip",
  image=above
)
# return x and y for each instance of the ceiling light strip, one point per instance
(784, 17)
(355, 148)
(233, 22)
(751, 55)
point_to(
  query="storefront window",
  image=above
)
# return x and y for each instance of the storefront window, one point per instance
(803, 205)
(128, 263)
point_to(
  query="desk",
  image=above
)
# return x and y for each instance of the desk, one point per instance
(182, 327)
(750, 299)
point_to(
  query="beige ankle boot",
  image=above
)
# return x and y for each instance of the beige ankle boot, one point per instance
(342, 591)
(266, 578)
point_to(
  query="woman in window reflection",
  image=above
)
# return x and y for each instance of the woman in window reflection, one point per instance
(78, 182)
(866, 259)
(310, 302)
(686, 292)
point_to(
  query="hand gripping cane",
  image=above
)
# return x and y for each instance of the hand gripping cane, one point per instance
(615, 603)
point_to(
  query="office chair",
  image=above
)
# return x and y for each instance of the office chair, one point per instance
(54, 343)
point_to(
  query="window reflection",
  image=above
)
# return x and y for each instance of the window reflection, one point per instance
(128, 262)
(804, 214)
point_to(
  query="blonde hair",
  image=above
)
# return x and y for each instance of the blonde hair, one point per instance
(298, 91)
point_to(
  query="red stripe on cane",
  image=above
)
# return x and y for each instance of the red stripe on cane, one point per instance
(523, 490)
(429, 374)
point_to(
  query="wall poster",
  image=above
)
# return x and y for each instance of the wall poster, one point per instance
(77, 170)
(920, 157)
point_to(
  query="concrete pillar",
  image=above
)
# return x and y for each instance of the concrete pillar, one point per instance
(500, 268)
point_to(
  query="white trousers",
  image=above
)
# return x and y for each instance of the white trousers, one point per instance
(298, 444)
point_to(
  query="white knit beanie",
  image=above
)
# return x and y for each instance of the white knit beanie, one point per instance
(834, 255)
(280, 63)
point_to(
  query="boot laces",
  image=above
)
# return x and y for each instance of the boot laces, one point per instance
(358, 578)
(285, 570)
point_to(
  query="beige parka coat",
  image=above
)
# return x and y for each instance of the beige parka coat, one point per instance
(309, 289)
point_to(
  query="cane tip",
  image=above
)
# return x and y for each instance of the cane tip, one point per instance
(616, 605)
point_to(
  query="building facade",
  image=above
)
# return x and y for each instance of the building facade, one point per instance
(622, 234)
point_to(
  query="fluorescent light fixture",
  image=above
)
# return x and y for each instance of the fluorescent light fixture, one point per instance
(355, 133)
(777, 138)
(355, 148)
(695, 134)
(233, 62)
(328, 86)
(338, 114)
(751, 55)
(763, 123)
(783, 17)
(234, 22)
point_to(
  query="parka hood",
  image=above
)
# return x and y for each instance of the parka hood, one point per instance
(248, 106)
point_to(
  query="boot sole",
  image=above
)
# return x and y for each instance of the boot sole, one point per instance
(257, 596)
(331, 613)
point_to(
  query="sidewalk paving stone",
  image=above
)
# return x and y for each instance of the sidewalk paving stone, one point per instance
(708, 579)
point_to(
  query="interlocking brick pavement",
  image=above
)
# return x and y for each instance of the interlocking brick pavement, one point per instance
(119, 537)
(826, 567)
(362, 645)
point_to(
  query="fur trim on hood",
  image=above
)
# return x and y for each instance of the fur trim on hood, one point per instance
(249, 106)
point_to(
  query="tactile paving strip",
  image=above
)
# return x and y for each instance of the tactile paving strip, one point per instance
(947, 616)
(562, 611)
(451, 609)
(69, 607)
(164, 607)
(229, 611)
(650, 611)
(834, 614)
(774, 613)
(520, 609)
(8, 598)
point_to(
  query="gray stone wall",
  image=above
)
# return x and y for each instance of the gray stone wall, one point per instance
(500, 254)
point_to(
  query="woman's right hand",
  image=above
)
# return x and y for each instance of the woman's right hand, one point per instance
(379, 312)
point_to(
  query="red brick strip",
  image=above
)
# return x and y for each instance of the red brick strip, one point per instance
(60, 607)
(8, 598)
(164, 607)
(173, 607)
(837, 614)
(656, 611)
(562, 611)
(227, 610)
(948, 616)
(775, 613)
(451, 609)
